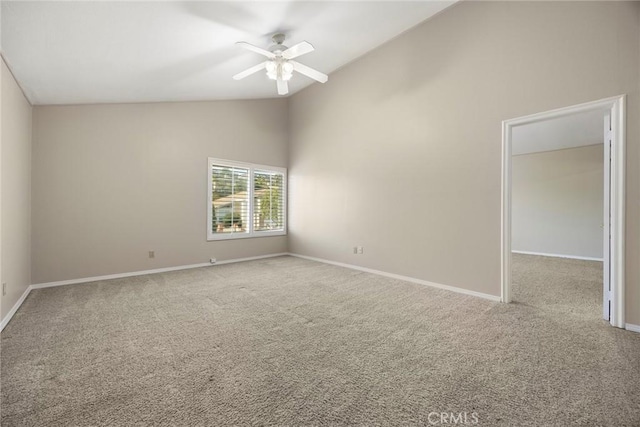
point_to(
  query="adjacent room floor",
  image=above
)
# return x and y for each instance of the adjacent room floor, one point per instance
(286, 341)
(568, 288)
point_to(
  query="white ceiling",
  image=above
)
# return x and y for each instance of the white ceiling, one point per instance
(82, 52)
(565, 132)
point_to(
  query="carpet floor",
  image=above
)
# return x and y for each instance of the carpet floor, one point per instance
(290, 342)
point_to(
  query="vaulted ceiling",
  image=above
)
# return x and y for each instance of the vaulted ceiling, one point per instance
(79, 52)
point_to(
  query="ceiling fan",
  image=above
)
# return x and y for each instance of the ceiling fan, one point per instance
(279, 64)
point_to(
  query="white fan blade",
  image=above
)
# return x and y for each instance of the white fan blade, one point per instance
(283, 87)
(297, 50)
(250, 71)
(309, 72)
(256, 49)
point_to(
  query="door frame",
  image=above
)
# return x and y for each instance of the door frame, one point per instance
(617, 107)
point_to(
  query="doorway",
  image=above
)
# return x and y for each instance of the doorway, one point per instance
(613, 139)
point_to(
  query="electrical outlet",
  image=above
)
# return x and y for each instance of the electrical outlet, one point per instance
(152, 254)
(212, 260)
(360, 250)
(4, 289)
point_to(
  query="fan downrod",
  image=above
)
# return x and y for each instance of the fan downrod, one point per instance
(278, 38)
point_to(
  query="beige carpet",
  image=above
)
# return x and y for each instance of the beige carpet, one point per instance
(286, 341)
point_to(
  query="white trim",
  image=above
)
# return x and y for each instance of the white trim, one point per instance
(144, 272)
(15, 308)
(606, 211)
(617, 224)
(632, 328)
(401, 277)
(617, 105)
(584, 258)
(251, 258)
(84, 280)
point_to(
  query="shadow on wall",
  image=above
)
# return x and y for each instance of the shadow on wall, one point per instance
(402, 68)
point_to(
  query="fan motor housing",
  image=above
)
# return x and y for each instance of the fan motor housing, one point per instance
(278, 47)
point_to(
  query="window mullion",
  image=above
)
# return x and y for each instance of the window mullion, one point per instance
(271, 198)
(233, 198)
(250, 184)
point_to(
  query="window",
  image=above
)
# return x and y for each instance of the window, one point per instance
(246, 200)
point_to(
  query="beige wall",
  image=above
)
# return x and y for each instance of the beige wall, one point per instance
(557, 202)
(400, 151)
(112, 182)
(16, 190)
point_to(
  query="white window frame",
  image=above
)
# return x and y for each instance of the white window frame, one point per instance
(251, 233)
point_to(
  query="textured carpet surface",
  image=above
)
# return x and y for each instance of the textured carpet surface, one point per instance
(286, 341)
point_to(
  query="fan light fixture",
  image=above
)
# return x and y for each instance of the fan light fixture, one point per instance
(282, 69)
(279, 64)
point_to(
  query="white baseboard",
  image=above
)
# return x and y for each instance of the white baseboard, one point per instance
(400, 277)
(632, 328)
(84, 280)
(252, 258)
(15, 308)
(143, 272)
(584, 258)
(115, 276)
